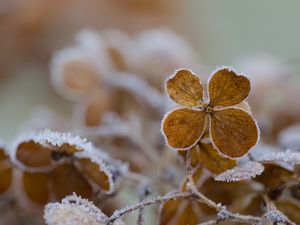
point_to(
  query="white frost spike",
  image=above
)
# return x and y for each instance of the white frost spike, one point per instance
(287, 156)
(74, 210)
(241, 172)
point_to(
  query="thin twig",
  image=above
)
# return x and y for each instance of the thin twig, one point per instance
(157, 200)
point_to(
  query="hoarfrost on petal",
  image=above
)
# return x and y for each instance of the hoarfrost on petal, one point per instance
(241, 172)
(73, 210)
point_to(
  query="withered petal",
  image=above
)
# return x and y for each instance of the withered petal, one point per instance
(189, 215)
(212, 160)
(185, 88)
(226, 88)
(66, 179)
(36, 187)
(183, 127)
(95, 173)
(168, 210)
(32, 154)
(5, 179)
(233, 131)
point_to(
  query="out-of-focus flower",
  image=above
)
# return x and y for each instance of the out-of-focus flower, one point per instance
(57, 164)
(87, 73)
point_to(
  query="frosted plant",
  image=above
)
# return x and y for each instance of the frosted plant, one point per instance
(241, 172)
(63, 163)
(287, 156)
(74, 210)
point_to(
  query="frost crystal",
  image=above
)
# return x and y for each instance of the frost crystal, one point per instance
(241, 172)
(287, 156)
(74, 210)
(277, 217)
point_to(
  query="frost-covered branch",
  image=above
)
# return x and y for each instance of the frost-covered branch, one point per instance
(157, 200)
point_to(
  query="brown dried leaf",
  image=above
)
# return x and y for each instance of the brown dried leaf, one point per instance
(36, 187)
(185, 88)
(212, 160)
(226, 88)
(168, 211)
(229, 194)
(188, 215)
(290, 207)
(66, 179)
(183, 127)
(274, 175)
(180, 212)
(233, 131)
(33, 154)
(94, 172)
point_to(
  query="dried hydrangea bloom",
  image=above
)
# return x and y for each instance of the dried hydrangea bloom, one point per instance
(232, 130)
(57, 164)
(5, 170)
(74, 210)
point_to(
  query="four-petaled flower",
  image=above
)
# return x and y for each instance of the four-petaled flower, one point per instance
(232, 130)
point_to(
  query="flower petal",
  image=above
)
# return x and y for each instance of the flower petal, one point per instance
(97, 104)
(213, 161)
(185, 88)
(5, 179)
(95, 173)
(66, 179)
(33, 154)
(183, 127)
(233, 131)
(36, 187)
(73, 73)
(226, 88)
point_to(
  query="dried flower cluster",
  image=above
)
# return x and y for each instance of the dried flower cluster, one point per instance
(200, 163)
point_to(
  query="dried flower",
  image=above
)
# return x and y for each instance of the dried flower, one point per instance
(233, 131)
(57, 164)
(74, 210)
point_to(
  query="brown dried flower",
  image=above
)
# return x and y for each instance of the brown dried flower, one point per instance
(57, 164)
(233, 131)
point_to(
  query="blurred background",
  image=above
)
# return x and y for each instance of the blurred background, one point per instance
(257, 37)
